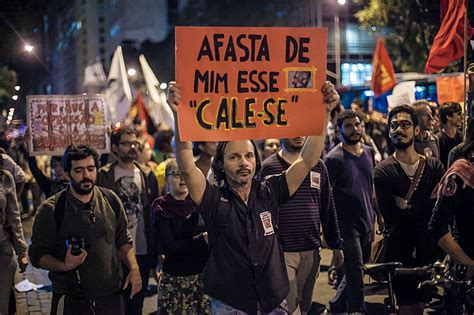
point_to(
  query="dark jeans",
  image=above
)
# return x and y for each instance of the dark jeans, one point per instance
(110, 304)
(134, 306)
(350, 292)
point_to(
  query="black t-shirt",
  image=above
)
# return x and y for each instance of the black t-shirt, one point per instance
(184, 246)
(390, 180)
(455, 204)
(428, 147)
(446, 144)
(246, 265)
(410, 234)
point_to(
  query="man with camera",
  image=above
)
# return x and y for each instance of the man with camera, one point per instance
(79, 234)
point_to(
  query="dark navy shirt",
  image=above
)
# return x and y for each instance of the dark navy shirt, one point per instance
(246, 268)
(351, 179)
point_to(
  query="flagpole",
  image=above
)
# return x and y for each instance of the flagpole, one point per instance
(466, 4)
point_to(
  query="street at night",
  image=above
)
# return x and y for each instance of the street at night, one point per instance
(236, 157)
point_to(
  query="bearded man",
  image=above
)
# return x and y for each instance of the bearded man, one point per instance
(350, 165)
(406, 211)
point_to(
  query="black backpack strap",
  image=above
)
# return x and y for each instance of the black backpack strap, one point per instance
(114, 203)
(60, 205)
(59, 208)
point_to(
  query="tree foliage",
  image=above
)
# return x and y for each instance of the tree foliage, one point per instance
(7, 85)
(408, 28)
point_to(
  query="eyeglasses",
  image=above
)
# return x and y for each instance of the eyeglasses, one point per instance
(176, 174)
(404, 124)
(128, 144)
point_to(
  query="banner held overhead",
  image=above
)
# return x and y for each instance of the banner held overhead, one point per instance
(250, 82)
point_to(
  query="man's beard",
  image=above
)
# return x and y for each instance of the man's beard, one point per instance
(127, 158)
(349, 141)
(79, 190)
(402, 145)
(292, 146)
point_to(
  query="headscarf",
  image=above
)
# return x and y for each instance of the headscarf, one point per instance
(462, 168)
(169, 207)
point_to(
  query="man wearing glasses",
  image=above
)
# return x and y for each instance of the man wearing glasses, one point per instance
(407, 208)
(137, 187)
(81, 247)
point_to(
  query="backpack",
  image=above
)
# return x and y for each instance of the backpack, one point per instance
(60, 204)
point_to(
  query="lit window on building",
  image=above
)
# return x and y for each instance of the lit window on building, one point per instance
(355, 74)
(114, 30)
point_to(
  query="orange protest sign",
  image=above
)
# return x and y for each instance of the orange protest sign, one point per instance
(250, 82)
(450, 89)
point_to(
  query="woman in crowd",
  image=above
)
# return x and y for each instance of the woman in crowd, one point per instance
(181, 234)
(270, 146)
(145, 153)
(11, 238)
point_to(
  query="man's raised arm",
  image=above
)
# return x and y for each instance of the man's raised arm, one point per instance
(314, 144)
(193, 177)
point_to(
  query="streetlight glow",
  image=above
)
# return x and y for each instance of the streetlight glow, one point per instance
(341, 2)
(28, 48)
(163, 86)
(17, 88)
(131, 72)
(15, 97)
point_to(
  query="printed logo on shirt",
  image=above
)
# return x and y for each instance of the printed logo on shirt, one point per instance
(223, 199)
(266, 218)
(315, 179)
(450, 186)
(129, 194)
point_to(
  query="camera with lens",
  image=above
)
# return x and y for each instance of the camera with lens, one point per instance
(78, 245)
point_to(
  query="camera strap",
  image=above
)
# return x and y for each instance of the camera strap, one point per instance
(90, 301)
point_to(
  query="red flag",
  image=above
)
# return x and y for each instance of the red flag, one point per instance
(383, 75)
(448, 44)
(142, 114)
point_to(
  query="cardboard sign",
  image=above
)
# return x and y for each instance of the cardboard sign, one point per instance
(249, 82)
(56, 121)
(450, 89)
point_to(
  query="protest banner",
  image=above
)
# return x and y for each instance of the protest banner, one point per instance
(450, 89)
(56, 121)
(250, 82)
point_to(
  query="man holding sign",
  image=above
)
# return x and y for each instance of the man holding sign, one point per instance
(246, 270)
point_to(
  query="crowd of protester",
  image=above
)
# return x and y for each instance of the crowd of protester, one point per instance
(235, 227)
